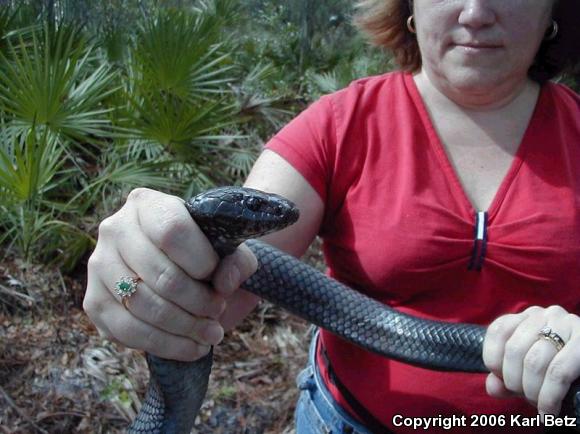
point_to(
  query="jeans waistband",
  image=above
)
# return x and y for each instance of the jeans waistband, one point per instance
(326, 397)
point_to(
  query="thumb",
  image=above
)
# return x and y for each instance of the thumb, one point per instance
(495, 387)
(233, 270)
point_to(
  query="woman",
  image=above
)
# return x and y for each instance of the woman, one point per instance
(449, 191)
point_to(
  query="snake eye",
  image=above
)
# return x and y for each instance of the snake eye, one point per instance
(253, 203)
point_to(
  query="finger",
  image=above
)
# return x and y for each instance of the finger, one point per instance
(495, 387)
(100, 327)
(516, 348)
(538, 358)
(496, 336)
(166, 222)
(563, 370)
(149, 307)
(536, 363)
(108, 314)
(233, 270)
(165, 277)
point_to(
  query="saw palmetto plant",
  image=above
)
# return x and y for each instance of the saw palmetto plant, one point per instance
(51, 90)
(53, 80)
(177, 83)
(78, 132)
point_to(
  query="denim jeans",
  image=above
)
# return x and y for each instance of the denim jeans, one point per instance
(316, 411)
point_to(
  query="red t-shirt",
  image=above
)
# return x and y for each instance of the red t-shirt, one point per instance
(399, 227)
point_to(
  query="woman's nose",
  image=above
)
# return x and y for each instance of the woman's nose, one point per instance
(477, 13)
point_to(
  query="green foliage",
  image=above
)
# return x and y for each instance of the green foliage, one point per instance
(226, 393)
(305, 40)
(31, 171)
(97, 98)
(79, 131)
(177, 87)
(118, 391)
(346, 71)
(52, 81)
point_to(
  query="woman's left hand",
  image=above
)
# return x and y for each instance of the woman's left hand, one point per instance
(523, 363)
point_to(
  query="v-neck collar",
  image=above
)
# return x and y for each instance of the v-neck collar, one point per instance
(448, 169)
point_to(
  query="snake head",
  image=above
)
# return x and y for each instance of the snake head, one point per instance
(230, 215)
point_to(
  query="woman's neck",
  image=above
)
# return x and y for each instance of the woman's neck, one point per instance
(501, 99)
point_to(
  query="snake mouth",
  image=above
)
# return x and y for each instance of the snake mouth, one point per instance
(293, 216)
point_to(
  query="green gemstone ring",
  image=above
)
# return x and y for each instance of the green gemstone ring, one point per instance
(126, 287)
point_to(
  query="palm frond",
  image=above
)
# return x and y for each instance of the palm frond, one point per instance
(252, 100)
(176, 50)
(29, 166)
(52, 83)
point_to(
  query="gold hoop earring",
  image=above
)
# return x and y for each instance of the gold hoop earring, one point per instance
(411, 24)
(553, 32)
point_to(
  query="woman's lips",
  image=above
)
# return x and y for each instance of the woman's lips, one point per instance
(477, 49)
(478, 46)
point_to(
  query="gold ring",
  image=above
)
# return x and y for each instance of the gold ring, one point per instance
(126, 287)
(549, 335)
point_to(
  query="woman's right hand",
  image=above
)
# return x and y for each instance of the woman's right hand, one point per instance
(175, 311)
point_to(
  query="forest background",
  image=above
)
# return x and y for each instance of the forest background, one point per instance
(100, 97)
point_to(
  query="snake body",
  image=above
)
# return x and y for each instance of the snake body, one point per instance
(230, 215)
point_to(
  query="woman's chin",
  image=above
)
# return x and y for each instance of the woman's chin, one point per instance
(480, 81)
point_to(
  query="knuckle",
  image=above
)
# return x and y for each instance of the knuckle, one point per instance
(533, 362)
(137, 194)
(95, 261)
(514, 351)
(171, 230)
(532, 310)
(554, 310)
(559, 373)
(108, 227)
(498, 327)
(159, 313)
(170, 281)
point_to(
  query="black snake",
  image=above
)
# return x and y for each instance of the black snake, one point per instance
(229, 216)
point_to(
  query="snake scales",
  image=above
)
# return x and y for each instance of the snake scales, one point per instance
(230, 215)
